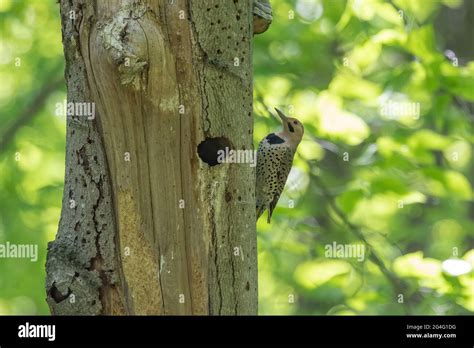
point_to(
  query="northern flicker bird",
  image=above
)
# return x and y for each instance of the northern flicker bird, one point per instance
(274, 159)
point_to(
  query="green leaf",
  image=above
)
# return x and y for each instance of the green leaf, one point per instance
(427, 139)
(414, 265)
(447, 183)
(351, 86)
(459, 81)
(421, 43)
(312, 274)
(420, 9)
(349, 199)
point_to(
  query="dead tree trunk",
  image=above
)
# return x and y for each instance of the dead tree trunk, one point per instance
(151, 223)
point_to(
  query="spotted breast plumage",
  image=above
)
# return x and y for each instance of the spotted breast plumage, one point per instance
(274, 160)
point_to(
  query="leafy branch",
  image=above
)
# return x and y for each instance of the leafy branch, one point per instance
(29, 112)
(398, 284)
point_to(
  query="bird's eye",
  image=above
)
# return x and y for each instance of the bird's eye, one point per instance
(295, 122)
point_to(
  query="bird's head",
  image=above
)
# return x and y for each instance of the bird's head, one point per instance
(292, 128)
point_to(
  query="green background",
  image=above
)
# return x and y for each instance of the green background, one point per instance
(399, 184)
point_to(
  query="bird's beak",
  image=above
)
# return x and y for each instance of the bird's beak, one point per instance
(282, 115)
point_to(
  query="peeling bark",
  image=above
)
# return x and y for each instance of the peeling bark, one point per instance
(148, 227)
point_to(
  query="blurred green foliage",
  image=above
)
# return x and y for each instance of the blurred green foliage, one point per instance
(32, 162)
(397, 181)
(403, 181)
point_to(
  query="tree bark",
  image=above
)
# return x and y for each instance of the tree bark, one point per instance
(150, 223)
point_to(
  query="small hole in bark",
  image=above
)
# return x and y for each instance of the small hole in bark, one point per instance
(237, 17)
(57, 295)
(247, 286)
(228, 197)
(209, 149)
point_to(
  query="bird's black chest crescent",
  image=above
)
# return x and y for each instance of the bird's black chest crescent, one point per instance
(274, 139)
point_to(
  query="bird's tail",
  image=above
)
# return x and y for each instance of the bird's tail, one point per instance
(269, 217)
(260, 210)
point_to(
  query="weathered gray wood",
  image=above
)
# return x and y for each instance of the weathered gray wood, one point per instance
(81, 264)
(160, 231)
